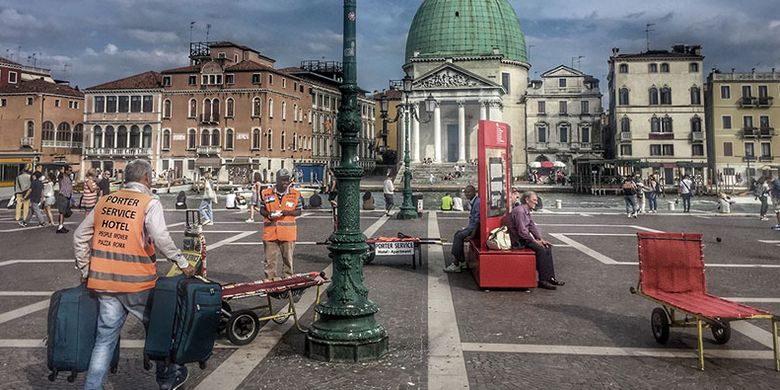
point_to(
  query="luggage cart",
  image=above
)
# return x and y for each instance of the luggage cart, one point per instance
(194, 245)
(671, 274)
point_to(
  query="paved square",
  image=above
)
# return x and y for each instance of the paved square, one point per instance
(444, 331)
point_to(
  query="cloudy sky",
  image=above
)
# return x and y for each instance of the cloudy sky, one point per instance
(94, 41)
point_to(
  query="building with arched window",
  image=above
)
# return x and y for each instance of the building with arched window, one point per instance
(661, 129)
(563, 117)
(41, 122)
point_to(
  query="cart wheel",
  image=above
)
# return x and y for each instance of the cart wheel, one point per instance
(659, 323)
(72, 377)
(147, 363)
(202, 365)
(370, 254)
(242, 327)
(722, 334)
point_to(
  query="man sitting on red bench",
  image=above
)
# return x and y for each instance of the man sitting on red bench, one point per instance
(525, 234)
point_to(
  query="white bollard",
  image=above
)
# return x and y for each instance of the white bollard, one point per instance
(558, 204)
(671, 205)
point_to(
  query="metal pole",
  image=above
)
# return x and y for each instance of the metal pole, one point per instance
(346, 330)
(408, 210)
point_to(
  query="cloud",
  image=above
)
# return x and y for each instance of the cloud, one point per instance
(110, 49)
(153, 36)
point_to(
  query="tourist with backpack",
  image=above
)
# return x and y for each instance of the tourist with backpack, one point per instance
(652, 194)
(629, 196)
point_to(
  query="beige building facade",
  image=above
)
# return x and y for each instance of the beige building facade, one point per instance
(657, 112)
(741, 118)
(563, 118)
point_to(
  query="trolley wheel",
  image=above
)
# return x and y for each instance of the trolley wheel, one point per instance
(53, 376)
(202, 365)
(147, 363)
(242, 327)
(370, 254)
(659, 323)
(114, 369)
(72, 377)
(722, 334)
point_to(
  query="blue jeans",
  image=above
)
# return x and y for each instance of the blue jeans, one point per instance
(457, 246)
(686, 202)
(111, 317)
(206, 209)
(630, 203)
(652, 199)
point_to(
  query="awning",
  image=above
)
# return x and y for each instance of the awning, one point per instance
(535, 164)
(547, 164)
(559, 164)
(208, 162)
(240, 161)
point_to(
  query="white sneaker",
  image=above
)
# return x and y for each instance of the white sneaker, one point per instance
(452, 268)
(249, 220)
(628, 215)
(635, 216)
(210, 223)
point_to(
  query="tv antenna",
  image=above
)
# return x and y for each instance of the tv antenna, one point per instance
(648, 30)
(208, 29)
(578, 59)
(192, 25)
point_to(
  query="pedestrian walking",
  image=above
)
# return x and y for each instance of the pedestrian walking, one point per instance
(48, 195)
(208, 200)
(35, 197)
(775, 192)
(89, 194)
(653, 192)
(21, 191)
(629, 196)
(279, 206)
(686, 192)
(255, 201)
(64, 200)
(640, 194)
(388, 190)
(123, 276)
(762, 194)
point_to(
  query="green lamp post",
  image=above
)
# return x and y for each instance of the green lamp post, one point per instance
(346, 330)
(408, 210)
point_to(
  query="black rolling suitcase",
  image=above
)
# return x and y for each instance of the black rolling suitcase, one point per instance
(71, 330)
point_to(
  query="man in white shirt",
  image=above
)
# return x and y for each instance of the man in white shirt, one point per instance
(388, 191)
(686, 192)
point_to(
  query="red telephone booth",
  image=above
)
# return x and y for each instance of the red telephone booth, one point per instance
(496, 268)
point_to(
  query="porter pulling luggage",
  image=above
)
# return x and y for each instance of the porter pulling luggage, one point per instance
(183, 321)
(71, 329)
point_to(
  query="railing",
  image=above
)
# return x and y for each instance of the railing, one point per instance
(661, 135)
(209, 118)
(207, 150)
(766, 158)
(750, 132)
(766, 132)
(27, 141)
(118, 152)
(697, 136)
(625, 136)
(748, 101)
(749, 158)
(765, 101)
(61, 144)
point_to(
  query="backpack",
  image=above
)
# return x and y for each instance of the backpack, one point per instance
(499, 239)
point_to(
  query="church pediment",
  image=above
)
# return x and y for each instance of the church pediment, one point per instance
(449, 76)
(562, 71)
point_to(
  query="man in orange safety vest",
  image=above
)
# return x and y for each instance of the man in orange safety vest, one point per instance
(279, 205)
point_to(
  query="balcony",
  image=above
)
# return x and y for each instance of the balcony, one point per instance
(118, 152)
(61, 144)
(764, 102)
(766, 132)
(749, 158)
(748, 102)
(625, 136)
(766, 158)
(697, 136)
(209, 119)
(661, 135)
(750, 132)
(208, 150)
(27, 142)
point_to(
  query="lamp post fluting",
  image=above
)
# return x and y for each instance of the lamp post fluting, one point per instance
(346, 330)
(408, 210)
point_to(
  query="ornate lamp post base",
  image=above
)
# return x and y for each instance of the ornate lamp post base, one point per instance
(346, 340)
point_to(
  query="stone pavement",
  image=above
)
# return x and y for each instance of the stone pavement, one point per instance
(591, 333)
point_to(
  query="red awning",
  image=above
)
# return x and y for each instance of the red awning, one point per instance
(547, 164)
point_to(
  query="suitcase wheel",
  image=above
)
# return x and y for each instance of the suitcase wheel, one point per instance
(202, 365)
(114, 369)
(72, 377)
(147, 363)
(53, 376)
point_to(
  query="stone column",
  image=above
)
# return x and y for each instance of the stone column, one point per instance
(482, 110)
(437, 134)
(495, 111)
(461, 132)
(416, 136)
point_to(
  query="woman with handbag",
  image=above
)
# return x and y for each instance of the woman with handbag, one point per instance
(89, 195)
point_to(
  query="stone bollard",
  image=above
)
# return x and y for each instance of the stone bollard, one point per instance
(671, 205)
(558, 204)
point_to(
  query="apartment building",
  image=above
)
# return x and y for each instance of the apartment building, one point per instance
(657, 111)
(40, 124)
(741, 115)
(563, 118)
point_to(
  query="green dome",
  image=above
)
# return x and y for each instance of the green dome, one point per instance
(455, 28)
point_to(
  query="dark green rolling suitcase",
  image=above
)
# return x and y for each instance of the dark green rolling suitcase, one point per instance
(71, 330)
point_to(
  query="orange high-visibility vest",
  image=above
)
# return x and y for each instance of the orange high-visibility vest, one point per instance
(121, 260)
(283, 228)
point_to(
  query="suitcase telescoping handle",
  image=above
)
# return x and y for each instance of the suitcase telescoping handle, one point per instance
(193, 218)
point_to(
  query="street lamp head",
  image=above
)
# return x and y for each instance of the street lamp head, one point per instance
(407, 84)
(430, 104)
(383, 105)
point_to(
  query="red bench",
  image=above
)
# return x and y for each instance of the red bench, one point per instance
(502, 269)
